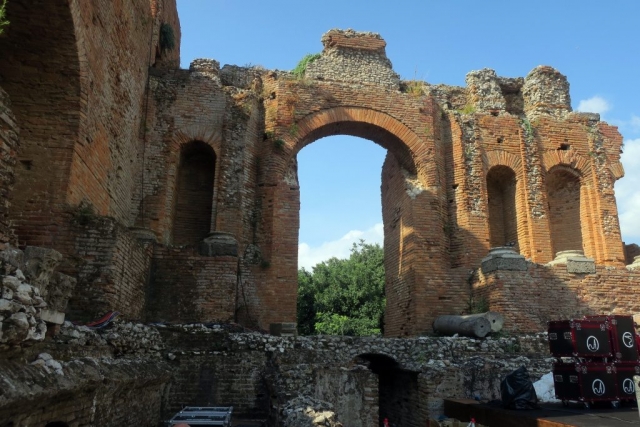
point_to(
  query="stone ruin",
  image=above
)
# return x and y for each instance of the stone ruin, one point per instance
(171, 196)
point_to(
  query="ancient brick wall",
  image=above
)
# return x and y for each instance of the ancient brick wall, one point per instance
(112, 266)
(500, 160)
(188, 287)
(41, 73)
(9, 138)
(528, 299)
(364, 378)
(77, 73)
(80, 396)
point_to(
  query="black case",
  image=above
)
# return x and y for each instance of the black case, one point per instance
(622, 333)
(585, 382)
(587, 338)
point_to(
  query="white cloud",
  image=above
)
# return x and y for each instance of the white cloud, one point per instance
(310, 256)
(628, 192)
(595, 104)
(634, 123)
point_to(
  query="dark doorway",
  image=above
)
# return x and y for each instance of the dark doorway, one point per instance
(501, 190)
(194, 193)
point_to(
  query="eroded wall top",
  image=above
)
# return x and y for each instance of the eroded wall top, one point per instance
(354, 56)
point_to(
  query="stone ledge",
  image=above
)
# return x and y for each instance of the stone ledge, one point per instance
(575, 261)
(503, 258)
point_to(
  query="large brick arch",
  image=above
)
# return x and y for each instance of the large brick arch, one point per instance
(414, 240)
(351, 121)
(42, 71)
(373, 125)
(569, 158)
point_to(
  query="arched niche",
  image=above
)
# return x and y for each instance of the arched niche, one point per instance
(501, 192)
(193, 193)
(564, 202)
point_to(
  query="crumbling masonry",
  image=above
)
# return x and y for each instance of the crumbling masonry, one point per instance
(171, 196)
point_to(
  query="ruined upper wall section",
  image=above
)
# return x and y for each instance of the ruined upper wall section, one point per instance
(544, 91)
(354, 57)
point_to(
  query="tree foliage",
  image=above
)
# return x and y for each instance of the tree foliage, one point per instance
(3, 15)
(343, 296)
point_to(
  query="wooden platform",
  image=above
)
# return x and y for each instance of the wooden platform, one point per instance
(550, 415)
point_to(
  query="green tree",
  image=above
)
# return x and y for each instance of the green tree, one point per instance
(3, 15)
(343, 296)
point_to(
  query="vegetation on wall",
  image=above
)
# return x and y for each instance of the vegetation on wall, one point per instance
(167, 37)
(343, 296)
(3, 15)
(301, 68)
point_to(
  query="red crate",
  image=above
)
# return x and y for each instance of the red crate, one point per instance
(588, 338)
(585, 382)
(622, 333)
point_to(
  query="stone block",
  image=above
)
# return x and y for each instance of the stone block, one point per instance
(575, 261)
(503, 258)
(144, 235)
(59, 291)
(11, 259)
(40, 264)
(636, 263)
(581, 265)
(283, 329)
(205, 65)
(52, 316)
(218, 244)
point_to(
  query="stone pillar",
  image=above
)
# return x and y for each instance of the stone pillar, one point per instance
(485, 93)
(535, 192)
(546, 91)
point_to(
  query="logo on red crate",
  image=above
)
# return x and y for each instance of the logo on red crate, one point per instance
(628, 340)
(598, 387)
(628, 386)
(592, 343)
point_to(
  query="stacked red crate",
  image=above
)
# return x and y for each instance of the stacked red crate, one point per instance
(604, 353)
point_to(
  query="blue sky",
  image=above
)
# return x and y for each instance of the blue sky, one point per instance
(594, 43)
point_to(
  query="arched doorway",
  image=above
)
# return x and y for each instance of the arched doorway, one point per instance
(564, 202)
(414, 214)
(194, 193)
(501, 192)
(398, 390)
(341, 228)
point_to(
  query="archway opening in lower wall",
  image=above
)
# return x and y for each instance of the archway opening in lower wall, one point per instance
(398, 395)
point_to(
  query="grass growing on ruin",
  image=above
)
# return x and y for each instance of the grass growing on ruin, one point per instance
(467, 109)
(3, 16)
(301, 68)
(413, 87)
(167, 37)
(83, 213)
(528, 130)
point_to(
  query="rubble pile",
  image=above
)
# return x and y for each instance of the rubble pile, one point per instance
(305, 411)
(32, 296)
